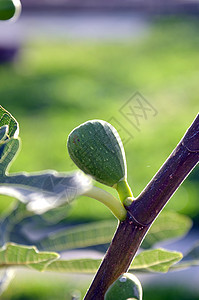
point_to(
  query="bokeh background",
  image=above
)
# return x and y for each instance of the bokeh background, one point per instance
(131, 63)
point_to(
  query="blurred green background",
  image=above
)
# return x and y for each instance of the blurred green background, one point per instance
(54, 86)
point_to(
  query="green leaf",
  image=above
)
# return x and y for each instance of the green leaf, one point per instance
(80, 236)
(3, 133)
(191, 259)
(12, 219)
(168, 225)
(42, 191)
(99, 233)
(20, 225)
(158, 260)
(7, 119)
(55, 215)
(12, 255)
(9, 144)
(83, 265)
(8, 150)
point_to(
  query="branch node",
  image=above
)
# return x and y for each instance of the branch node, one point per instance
(136, 221)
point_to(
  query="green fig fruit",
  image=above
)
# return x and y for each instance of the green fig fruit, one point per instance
(9, 9)
(127, 286)
(96, 148)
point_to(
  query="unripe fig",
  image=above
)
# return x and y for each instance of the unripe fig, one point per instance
(96, 148)
(127, 286)
(9, 9)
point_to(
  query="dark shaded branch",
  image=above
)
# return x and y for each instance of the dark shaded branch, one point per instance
(125, 243)
(144, 210)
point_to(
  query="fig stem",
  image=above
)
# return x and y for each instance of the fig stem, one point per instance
(109, 200)
(123, 189)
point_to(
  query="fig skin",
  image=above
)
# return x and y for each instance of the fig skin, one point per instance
(96, 148)
(127, 286)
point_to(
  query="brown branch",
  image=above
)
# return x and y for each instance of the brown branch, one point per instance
(143, 211)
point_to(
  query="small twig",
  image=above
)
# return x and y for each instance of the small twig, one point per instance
(143, 211)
